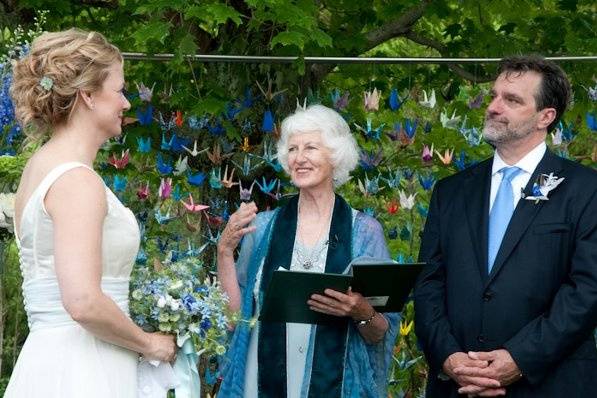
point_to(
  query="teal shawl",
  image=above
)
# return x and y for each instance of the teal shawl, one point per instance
(365, 366)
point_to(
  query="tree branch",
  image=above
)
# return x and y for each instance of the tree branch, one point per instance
(443, 50)
(399, 27)
(390, 30)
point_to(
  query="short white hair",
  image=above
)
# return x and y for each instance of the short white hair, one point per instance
(335, 135)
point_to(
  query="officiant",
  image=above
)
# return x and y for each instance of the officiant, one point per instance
(316, 231)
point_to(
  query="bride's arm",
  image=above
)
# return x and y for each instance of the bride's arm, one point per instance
(77, 204)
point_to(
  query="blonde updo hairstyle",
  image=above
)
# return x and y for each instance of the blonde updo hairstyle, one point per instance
(73, 60)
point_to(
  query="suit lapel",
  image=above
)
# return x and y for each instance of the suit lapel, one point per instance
(476, 191)
(524, 213)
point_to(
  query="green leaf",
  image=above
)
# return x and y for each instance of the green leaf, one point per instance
(156, 30)
(187, 45)
(321, 38)
(217, 14)
(289, 38)
(209, 105)
(221, 13)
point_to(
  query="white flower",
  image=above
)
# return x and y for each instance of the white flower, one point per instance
(161, 302)
(174, 305)
(7, 210)
(175, 285)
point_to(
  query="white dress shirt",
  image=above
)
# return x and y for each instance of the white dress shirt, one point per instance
(527, 164)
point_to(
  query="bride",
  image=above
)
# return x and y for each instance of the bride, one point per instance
(77, 242)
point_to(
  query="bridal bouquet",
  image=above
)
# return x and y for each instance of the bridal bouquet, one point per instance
(179, 298)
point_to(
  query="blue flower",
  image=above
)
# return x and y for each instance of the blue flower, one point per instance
(190, 303)
(201, 289)
(141, 257)
(13, 133)
(7, 114)
(205, 325)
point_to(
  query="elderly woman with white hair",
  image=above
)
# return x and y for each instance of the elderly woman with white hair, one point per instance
(316, 231)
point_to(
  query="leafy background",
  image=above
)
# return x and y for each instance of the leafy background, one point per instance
(225, 107)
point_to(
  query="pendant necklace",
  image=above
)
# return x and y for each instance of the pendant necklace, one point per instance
(308, 258)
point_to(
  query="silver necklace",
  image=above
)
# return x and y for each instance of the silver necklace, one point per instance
(308, 258)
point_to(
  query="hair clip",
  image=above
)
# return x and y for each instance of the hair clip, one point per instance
(46, 83)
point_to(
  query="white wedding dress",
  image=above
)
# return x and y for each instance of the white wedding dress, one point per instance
(60, 359)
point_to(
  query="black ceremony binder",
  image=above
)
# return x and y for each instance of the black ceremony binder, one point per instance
(288, 292)
(385, 284)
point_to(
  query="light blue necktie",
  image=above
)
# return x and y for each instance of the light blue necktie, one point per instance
(500, 214)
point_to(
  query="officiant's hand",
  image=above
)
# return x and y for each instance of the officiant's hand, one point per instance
(236, 228)
(351, 304)
(371, 325)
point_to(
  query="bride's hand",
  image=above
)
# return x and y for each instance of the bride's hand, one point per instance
(161, 347)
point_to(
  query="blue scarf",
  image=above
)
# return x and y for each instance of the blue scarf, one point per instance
(330, 340)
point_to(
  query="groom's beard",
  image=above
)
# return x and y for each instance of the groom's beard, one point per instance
(499, 130)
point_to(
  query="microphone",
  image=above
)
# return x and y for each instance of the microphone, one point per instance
(333, 242)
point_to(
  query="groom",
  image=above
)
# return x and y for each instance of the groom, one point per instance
(508, 301)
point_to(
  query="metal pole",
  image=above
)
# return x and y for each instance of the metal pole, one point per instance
(334, 60)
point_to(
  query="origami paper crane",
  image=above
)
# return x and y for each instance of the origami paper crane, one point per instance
(181, 165)
(119, 163)
(192, 207)
(144, 144)
(371, 132)
(245, 194)
(451, 122)
(195, 151)
(407, 201)
(145, 94)
(446, 158)
(428, 102)
(196, 179)
(371, 100)
(165, 188)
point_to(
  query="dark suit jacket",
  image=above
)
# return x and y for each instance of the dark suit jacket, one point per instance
(540, 300)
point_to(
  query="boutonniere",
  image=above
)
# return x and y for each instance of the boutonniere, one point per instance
(544, 185)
